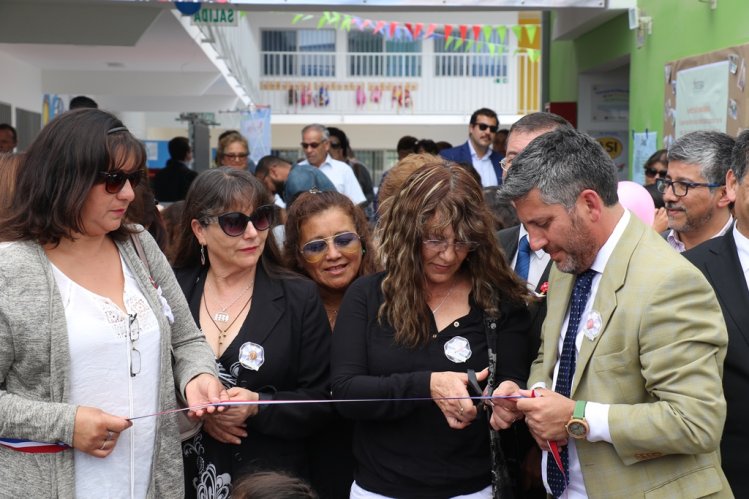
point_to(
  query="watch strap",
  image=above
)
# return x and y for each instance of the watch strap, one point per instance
(579, 412)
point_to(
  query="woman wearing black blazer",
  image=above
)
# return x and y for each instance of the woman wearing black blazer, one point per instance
(267, 328)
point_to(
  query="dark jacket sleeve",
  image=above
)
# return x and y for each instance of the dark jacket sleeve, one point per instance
(310, 325)
(350, 372)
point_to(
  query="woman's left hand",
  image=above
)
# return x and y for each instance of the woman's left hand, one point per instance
(229, 426)
(205, 389)
(448, 389)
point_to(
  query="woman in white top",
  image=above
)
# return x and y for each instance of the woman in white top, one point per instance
(91, 335)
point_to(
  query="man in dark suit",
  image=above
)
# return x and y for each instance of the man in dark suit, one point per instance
(534, 267)
(171, 182)
(725, 262)
(477, 151)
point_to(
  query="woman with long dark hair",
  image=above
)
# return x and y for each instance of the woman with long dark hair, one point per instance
(267, 329)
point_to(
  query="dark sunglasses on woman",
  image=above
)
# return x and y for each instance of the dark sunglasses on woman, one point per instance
(345, 242)
(235, 223)
(114, 181)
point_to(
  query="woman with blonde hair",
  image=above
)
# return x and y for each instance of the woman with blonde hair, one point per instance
(233, 151)
(448, 306)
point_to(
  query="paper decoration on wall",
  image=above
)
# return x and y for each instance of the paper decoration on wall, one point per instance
(469, 37)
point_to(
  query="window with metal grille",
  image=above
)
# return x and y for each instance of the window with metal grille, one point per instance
(479, 61)
(303, 52)
(372, 54)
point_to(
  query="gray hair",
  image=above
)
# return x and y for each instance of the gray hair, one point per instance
(710, 150)
(535, 122)
(561, 164)
(740, 155)
(318, 128)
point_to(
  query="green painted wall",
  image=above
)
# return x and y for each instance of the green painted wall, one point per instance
(681, 28)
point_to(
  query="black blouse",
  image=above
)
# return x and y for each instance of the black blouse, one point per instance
(406, 448)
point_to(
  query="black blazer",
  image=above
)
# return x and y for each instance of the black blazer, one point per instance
(288, 319)
(718, 259)
(172, 182)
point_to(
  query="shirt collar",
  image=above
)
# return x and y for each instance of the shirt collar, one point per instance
(327, 161)
(742, 247)
(675, 242)
(602, 258)
(540, 253)
(474, 154)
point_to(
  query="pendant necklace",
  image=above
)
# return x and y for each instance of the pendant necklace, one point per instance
(434, 310)
(222, 333)
(223, 315)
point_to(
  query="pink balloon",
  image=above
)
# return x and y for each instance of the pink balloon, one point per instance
(637, 199)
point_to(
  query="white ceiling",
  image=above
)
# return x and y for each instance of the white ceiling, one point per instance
(135, 56)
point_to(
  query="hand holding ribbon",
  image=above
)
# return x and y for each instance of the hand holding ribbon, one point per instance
(204, 391)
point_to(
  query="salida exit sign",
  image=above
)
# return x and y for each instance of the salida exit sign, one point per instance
(215, 17)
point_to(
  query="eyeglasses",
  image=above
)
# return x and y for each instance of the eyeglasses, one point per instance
(345, 242)
(236, 156)
(505, 163)
(234, 224)
(133, 333)
(653, 172)
(114, 181)
(333, 145)
(440, 245)
(679, 188)
(483, 127)
(311, 145)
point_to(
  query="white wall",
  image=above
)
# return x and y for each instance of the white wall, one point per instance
(20, 85)
(617, 130)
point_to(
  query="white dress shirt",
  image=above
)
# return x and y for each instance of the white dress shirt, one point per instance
(483, 165)
(539, 260)
(742, 246)
(343, 178)
(597, 415)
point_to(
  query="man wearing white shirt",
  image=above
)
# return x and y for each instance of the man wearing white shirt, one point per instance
(725, 262)
(316, 144)
(477, 150)
(633, 341)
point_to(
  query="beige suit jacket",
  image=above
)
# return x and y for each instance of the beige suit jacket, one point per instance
(658, 360)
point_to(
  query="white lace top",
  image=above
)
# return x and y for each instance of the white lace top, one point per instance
(101, 339)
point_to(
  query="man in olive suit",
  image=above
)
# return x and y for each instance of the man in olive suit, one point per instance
(633, 342)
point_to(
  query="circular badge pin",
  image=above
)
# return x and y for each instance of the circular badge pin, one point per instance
(458, 350)
(251, 356)
(592, 325)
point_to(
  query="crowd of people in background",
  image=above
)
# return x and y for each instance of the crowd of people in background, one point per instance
(253, 295)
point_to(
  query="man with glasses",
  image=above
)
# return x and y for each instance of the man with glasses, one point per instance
(477, 151)
(694, 189)
(316, 147)
(725, 262)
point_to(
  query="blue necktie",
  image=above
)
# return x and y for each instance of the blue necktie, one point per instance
(523, 263)
(580, 294)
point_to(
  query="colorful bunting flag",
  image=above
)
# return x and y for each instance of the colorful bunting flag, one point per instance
(481, 33)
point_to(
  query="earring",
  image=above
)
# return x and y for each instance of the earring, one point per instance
(202, 254)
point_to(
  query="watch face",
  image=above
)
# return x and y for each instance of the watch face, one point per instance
(577, 429)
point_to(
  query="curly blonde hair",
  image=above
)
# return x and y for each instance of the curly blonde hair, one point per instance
(448, 194)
